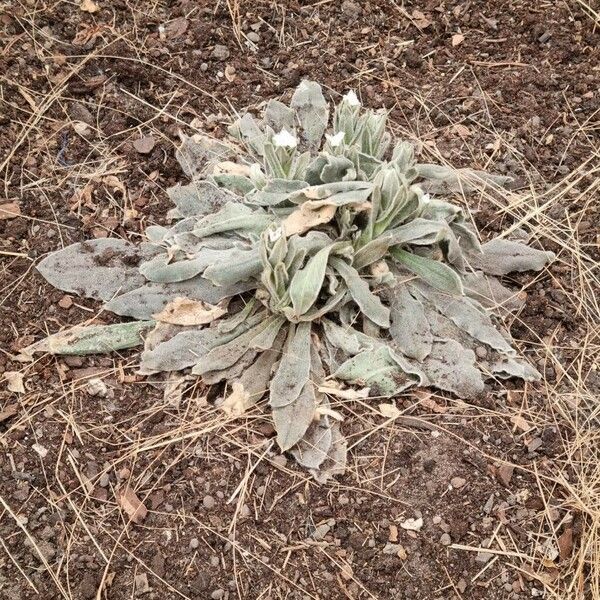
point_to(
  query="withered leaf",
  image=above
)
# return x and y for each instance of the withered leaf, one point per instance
(131, 504)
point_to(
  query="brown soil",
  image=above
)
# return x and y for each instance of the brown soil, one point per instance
(507, 85)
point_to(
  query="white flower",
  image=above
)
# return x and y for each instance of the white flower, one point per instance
(426, 199)
(335, 140)
(352, 99)
(284, 139)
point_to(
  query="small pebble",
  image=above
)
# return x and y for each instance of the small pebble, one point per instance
(457, 482)
(217, 594)
(194, 543)
(220, 52)
(445, 539)
(208, 502)
(253, 37)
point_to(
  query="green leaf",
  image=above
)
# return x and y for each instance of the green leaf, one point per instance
(307, 282)
(294, 368)
(434, 272)
(368, 302)
(94, 339)
(312, 111)
(236, 217)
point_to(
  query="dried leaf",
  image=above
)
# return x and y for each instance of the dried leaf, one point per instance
(500, 257)
(457, 39)
(131, 504)
(305, 218)
(15, 381)
(521, 423)
(186, 312)
(565, 544)
(8, 412)
(412, 524)
(89, 6)
(10, 210)
(238, 402)
(389, 411)
(345, 394)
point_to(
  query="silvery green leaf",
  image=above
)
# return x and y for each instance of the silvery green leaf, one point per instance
(337, 193)
(292, 420)
(247, 130)
(294, 367)
(93, 339)
(159, 270)
(235, 217)
(451, 367)
(227, 354)
(232, 372)
(500, 257)
(464, 313)
(312, 111)
(238, 184)
(335, 463)
(97, 269)
(156, 233)
(466, 236)
(337, 168)
(377, 369)
(318, 312)
(368, 302)
(345, 338)
(278, 116)
(403, 156)
(307, 282)
(238, 318)
(312, 450)
(276, 192)
(257, 376)
(198, 154)
(409, 327)
(490, 293)
(233, 266)
(509, 366)
(434, 272)
(151, 298)
(440, 179)
(198, 198)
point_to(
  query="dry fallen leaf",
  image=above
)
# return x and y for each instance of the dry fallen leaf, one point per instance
(9, 210)
(15, 381)
(458, 38)
(89, 6)
(228, 167)
(141, 584)
(461, 130)
(8, 412)
(432, 405)
(131, 504)
(504, 474)
(237, 402)
(349, 394)
(230, 73)
(520, 423)
(144, 145)
(186, 312)
(420, 20)
(305, 218)
(565, 544)
(325, 410)
(389, 410)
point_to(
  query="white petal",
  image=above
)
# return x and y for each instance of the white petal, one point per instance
(335, 140)
(284, 139)
(275, 234)
(352, 99)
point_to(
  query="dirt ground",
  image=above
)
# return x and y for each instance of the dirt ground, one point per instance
(508, 488)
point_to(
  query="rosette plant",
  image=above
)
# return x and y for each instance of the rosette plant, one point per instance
(304, 250)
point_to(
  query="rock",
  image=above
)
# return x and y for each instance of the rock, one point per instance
(217, 594)
(65, 302)
(534, 444)
(483, 557)
(280, 460)
(208, 502)
(141, 584)
(445, 539)
(157, 565)
(194, 543)
(504, 474)
(253, 36)
(220, 52)
(457, 482)
(96, 387)
(320, 531)
(144, 145)
(351, 9)
(437, 520)
(46, 549)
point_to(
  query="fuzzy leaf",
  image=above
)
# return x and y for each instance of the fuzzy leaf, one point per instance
(233, 217)
(294, 367)
(151, 298)
(335, 463)
(307, 282)
(233, 266)
(278, 116)
(198, 198)
(500, 257)
(490, 293)
(294, 418)
(93, 339)
(368, 302)
(312, 450)
(311, 110)
(410, 327)
(435, 273)
(97, 269)
(440, 179)
(451, 367)
(198, 154)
